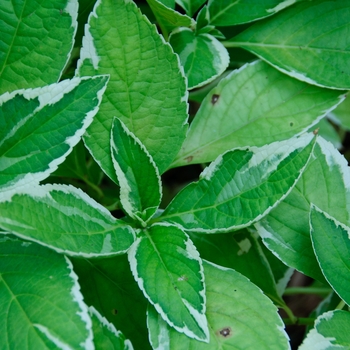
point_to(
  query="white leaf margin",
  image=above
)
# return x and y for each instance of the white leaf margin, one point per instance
(125, 189)
(42, 191)
(109, 326)
(221, 62)
(48, 95)
(192, 252)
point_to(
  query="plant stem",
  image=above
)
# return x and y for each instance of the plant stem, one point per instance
(322, 291)
(300, 321)
(340, 305)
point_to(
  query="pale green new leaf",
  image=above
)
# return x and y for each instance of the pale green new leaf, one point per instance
(110, 287)
(232, 12)
(168, 269)
(39, 127)
(325, 183)
(203, 57)
(242, 252)
(36, 40)
(331, 332)
(239, 317)
(65, 219)
(331, 243)
(106, 337)
(41, 306)
(309, 41)
(240, 187)
(138, 176)
(169, 19)
(253, 106)
(146, 91)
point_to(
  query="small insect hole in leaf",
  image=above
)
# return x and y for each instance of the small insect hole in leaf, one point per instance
(225, 332)
(291, 124)
(114, 311)
(214, 99)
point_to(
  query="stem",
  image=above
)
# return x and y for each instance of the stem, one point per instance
(322, 291)
(292, 319)
(93, 186)
(300, 321)
(340, 305)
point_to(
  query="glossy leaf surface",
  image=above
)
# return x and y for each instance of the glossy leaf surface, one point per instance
(308, 41)
(253, 106)
(168, 269)
(146, 91)
(239, 317)
(203, 57)
(240, 187)
(138, 176)
(39, 127)
(36, 41)
(41, 306)
(66, 220)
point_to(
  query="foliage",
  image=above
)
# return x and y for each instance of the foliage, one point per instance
(93, 252)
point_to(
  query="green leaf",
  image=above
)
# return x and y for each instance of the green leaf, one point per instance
(168, 269)
(228, 13)
(323, 183)
(146, 91)
(331, 332)
(326, 130)
(39, 127)
(341, 115)
(308, 41)
(169, 19)
(190, 6)
(240, 251)
(239, 317)
(41, 306)
(331, 243)
(240, 187)
(73, 222)
(267, 106)
(105, 335)
(36, 41)
(109, 286)
(138, 176)
(203, 57)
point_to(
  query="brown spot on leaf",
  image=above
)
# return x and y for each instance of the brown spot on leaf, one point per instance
(225, 332)
(315, 132)
(189, 159)
(214, 98)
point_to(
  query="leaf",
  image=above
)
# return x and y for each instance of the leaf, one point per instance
(109, 286)
(73, 222)
(190, 6)
(341, 115)
(105, 335)
(39, 127)
(241, 252)
(323, 183)
(330, 332)
(325, 129)
(308, 41)
(37, 38)
(168, 269)
(203, 57)
(41, 306)
(168, 19)
(240, 187)
(239, 317)
(228, 13)
(146, 91)
(138, 176)
(268, 106)
(331, 243)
